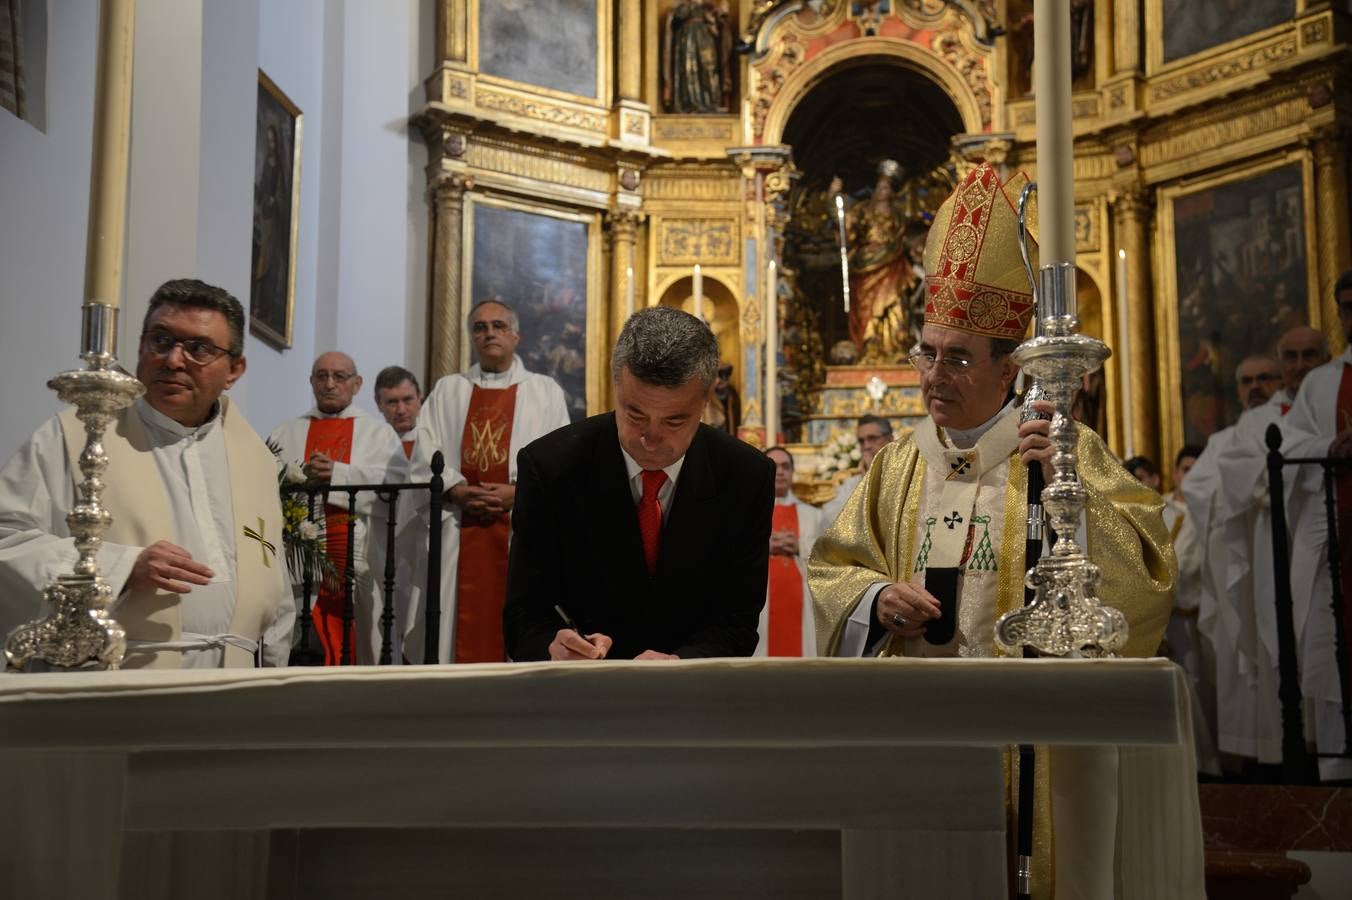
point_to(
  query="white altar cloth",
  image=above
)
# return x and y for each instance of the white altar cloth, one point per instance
(206, 784)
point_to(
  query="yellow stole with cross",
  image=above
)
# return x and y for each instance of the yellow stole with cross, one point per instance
(135, 496)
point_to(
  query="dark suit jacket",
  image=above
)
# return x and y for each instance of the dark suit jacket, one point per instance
(576, 543)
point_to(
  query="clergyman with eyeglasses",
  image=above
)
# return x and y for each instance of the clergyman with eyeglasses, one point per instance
(929, 549)
(337, 443)
(192, 551)
(479, 420)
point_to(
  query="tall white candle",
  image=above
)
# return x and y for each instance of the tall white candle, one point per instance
(628, 291)
(112, 141)
(1123, 353)
(1055, 141)
(771, 355)
(699, 291)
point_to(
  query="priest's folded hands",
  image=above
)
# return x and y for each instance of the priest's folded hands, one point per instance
(903, 609)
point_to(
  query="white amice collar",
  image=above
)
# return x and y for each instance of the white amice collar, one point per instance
(966, 439)
(159, 422)
(502, 379)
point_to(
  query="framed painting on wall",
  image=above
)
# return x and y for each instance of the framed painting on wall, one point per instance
(562, 37)
(1188, 27)
(276, 208)
(543, 263)
(1236, 252)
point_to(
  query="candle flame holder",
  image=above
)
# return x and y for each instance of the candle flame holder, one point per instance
(1065, 617)
(77, 628)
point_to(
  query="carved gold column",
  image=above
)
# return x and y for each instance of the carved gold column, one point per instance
(623, 229)
(452, 24)
(629, 50)
(1127, 35)
(447, 192)
(1335, 253)
(1131, 219)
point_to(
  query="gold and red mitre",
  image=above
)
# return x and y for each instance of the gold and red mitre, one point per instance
(974, 276)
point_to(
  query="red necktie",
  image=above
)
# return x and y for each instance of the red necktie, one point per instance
(650, 516)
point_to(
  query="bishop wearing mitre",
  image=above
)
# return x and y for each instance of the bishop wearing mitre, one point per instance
(928, 551)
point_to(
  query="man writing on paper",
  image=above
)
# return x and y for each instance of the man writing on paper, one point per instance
(479, 420)
(929, 550)
(192, 549)
(340, 443)
(647, 529)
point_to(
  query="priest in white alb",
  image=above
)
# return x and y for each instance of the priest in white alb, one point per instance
(340, 443)
(1227, 496)
(1318, 425)
(929, 549)
(786, 622)
(192, 553)
(479, 420)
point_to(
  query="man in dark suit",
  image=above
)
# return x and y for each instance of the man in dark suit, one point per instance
(649, 531)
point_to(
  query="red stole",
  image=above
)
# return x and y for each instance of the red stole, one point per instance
(408, 448)
(785, 614)
(1343, 483)
(333, 438)
(481, 573)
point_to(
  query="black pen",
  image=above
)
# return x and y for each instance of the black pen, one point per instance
(568, 622)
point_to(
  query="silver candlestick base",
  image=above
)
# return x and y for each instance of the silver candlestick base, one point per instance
(77, 628)
(1065, 617)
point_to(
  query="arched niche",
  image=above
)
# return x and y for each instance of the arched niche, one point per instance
(720, 310)
(873, 51)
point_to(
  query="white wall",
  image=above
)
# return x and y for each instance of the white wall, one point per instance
(44, 213)
(354, 67)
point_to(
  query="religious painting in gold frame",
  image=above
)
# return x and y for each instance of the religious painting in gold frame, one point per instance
(558, 47)
(1184, 31)
(276, 212)
(544, 262)
(1237, 268)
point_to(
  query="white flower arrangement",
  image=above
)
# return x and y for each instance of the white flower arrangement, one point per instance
(841, 454)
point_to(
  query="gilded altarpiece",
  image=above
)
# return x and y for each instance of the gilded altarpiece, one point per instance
(663, 192)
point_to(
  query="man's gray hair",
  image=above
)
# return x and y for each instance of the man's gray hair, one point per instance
(666, 347)
(511, 315)
(1257, 357)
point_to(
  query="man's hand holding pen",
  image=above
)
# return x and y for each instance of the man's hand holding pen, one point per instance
(570, 643)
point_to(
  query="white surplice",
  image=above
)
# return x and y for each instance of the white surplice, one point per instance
(810, 523)
(1187, 646)
(377, 458)
(540, 409)
(1307, 431)
(38, 490)
(1227, 498)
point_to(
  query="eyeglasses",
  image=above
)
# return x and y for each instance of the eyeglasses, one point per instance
(198, 350)
(496, 325)
(924, 360)
(335, 377)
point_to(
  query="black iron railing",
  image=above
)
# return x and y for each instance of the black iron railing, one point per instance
(1298, 764)
(306, 653)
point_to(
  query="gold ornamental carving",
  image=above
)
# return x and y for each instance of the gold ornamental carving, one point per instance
(546, 165)
(1086, 228)
(1223, 70)
(684, 129)
(703, 241)
(554, 113)
(953, 48)
(1226, 127)
(674, 184)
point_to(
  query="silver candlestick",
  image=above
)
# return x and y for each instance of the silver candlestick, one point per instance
(77, 628)
(1066, 617)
